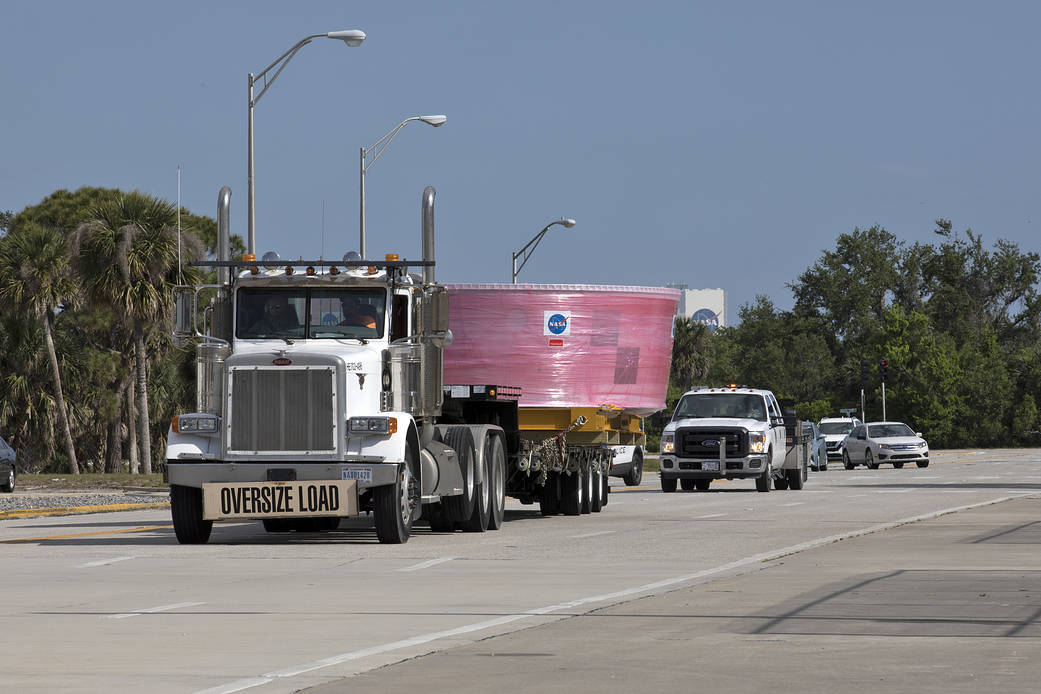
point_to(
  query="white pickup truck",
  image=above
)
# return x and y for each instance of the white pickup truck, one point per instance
(732, 433)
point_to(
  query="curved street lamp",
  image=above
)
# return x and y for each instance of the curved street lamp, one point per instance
(382, 143)
(529, 247)
(351, 37)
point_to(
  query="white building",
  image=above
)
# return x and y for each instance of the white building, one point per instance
(706, 306)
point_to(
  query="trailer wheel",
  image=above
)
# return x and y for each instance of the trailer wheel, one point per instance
(668, 484)
(596, 503)
(795, 478)
(573, 488)
(394, 505)
(605, 491)
(549, 499)
(186, 509)
(762, 482)
(587, 490)
(635, 475)
(478, 520)
(461, 440)
(497, 468)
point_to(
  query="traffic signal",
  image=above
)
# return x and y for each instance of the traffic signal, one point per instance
(863, 373)
(882, 365)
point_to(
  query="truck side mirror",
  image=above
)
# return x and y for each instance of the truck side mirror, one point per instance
(658, 419)
(183, 314)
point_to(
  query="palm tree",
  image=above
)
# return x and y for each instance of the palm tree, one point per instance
(35, 275)
(127, 255)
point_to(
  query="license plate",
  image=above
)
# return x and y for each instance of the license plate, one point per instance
(361, 474)
(302, 498)
(710, 465)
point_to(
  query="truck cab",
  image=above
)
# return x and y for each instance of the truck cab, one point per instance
(724, 433)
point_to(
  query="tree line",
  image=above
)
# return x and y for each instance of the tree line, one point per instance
(88, 375)
(958, 323)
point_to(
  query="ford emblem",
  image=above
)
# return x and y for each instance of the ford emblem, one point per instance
(282, 361)
(710, 443)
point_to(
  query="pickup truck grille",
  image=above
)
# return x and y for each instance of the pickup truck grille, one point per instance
(702, 443)
(282, 410)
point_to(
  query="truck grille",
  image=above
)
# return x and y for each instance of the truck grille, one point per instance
(282, 410)
(701, 443)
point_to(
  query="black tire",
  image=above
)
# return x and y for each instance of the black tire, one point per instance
(668, 484)
(796, 478)
(922, 463)
(596, 504)
(898, 465)
(702, 485)
(572, 489)
(186, 509)
(438, 519)
(762, 482)
(277, 525)
(9, 479)
(549, 499)
(497, 467)
(460, 507)
(605, 491)
(478, 520)
(587, 490)
(869, 460)
(687, 484)
(395, 506)
(635, 475)
(781, 482)
(846, 462)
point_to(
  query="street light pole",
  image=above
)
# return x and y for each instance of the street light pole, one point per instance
(529, 247)
(435, 121)
(351, 37)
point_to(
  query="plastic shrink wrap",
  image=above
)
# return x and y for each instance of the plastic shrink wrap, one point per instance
(564, 345)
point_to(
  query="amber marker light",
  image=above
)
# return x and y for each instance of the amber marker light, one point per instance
(391, 257)
(249, 257)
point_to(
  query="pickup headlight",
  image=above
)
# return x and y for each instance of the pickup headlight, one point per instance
(195, 424)
(373, 425)
(668, 443)
(757, 442)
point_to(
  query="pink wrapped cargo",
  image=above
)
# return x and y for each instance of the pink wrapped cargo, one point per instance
(565, 345)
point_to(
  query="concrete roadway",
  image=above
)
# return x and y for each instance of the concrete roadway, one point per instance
(877, 580)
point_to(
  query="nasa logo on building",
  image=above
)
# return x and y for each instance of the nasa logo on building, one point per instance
(708, 317)
(557, 323)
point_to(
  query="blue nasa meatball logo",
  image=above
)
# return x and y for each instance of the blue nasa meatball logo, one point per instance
(557, 323)
(707, 317)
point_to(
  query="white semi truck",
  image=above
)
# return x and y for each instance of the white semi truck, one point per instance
(320, 396)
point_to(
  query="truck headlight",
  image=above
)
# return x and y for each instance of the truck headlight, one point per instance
(194, 424)
(668, 443)
(373, 425)
(757, 442)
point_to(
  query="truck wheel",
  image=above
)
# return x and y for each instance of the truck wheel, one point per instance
(846, 462)
(394, 505)
(605, 490)
(587, 490)
(702, 485)
(439, 520)
(687, 484)
(460, 440)
(478, 520)
(795, 478)
(186, 509)
(595, 502)
(549, 499)
(497, 468)
(573, 489)
(635, 475)
(781, 482)
(668, 484)
(762, 482)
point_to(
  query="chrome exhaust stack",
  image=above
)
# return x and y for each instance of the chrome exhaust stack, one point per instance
(428, 233)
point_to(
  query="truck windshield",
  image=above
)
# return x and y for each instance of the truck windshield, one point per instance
(313, 313)
(741, 405)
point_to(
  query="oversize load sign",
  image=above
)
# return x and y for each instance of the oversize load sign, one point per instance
(295, 499)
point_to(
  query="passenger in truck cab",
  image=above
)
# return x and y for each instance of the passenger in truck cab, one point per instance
(355, 314)
(278, 315)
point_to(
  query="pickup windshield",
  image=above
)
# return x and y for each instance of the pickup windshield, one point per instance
(741, 405)
(836, 427)
(311, 313)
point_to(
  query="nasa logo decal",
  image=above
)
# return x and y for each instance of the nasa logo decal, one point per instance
(556, 323)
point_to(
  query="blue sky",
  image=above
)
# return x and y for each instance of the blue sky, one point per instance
(721, 144)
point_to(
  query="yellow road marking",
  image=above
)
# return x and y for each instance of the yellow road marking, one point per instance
(142, 528)
(71, 510)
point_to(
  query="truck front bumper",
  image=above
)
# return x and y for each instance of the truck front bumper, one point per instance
(710, 468)
(195, 474)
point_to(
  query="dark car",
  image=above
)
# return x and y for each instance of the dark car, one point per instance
(7, 471)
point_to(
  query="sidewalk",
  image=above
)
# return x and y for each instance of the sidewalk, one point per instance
(946, 605)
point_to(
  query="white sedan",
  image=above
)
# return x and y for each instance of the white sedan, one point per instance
(875, 443)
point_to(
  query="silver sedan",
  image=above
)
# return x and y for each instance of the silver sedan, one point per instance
(875, 443)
